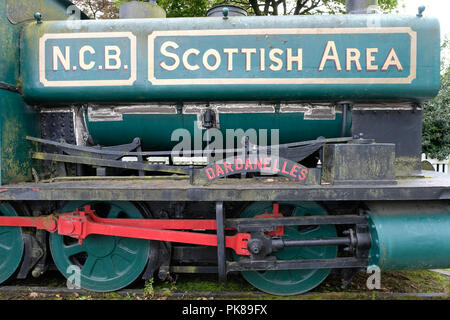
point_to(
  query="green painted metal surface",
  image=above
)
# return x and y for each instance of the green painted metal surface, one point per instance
(17, 120)
(291, 58)
(19, 11)
(156, 131)
(106, 263)
(11, 245)
(291, 282)
(410, 235)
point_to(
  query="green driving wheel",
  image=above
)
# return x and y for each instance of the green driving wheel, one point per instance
(105, 263)
(11, 245)
(291, 282)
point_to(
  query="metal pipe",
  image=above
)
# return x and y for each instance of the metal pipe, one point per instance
(361, 6)
(217, 11)
(344, 119)
(141, 10)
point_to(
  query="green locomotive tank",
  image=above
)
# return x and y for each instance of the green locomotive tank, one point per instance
(264, 60)
(300, 58)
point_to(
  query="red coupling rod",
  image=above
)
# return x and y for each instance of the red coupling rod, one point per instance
(82, 223)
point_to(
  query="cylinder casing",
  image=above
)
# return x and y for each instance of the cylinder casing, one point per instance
(410, 235)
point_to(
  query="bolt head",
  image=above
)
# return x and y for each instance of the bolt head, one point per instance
(38, 16)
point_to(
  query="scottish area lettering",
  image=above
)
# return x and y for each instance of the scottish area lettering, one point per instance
(282, 56)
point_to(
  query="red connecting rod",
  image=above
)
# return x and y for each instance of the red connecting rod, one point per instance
(82, 223)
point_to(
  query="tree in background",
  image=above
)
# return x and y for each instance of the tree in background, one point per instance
(187, 8)
(98, 9)
(301, 7)
(436, 117)
(108, 9)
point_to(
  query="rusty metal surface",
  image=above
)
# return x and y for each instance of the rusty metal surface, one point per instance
(433, 186)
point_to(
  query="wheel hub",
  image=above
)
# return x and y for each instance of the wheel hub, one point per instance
(100, 246)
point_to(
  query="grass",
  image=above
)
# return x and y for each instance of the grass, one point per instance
(410, 281)
(404, 282)
(204, 282)
(206, 286)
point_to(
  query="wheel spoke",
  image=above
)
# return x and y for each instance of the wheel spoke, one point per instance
(124, 253)
(127, 244)
(108, 267)
(74, 249)
(89, 265)
(5, 248)
(114, 212)
(309, 253)
(3, 252)
(298, 275)
(270, 275)
(314, 233)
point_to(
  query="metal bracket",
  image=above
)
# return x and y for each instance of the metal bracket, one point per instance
(221, 257)
(8, 87)
(32, 254)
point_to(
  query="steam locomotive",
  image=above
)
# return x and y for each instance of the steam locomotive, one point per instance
(279, 147)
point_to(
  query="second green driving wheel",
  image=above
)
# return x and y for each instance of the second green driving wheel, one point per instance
(291, 282)
(105, 263)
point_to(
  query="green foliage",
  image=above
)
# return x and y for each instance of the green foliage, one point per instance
(436, 121)
(181, 8)
(118, 3)
(198, 8)
(149, 291)
(185, 8)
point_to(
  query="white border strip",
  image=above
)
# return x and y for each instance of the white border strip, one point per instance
(87, 83)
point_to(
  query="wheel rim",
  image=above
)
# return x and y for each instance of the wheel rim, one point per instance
(290, 282)
(106, 263)
(11, 245)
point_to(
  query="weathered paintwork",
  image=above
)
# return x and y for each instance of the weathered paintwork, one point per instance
(270, 189)
(215, 59)
(358, 163)
(19, 11)
(410, 235)
(17, 120)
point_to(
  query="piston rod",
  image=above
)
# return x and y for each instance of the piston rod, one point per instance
(279, 244)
